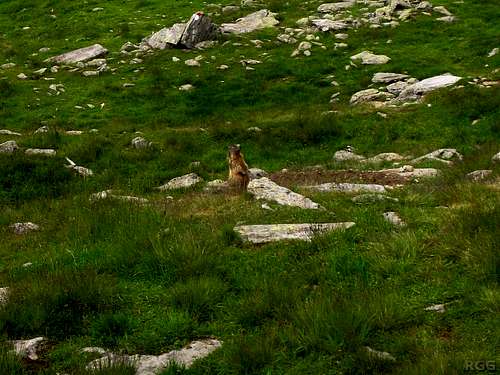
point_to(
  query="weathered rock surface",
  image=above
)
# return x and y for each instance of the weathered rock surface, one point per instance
(384, 157)
(168, 36)
(335, 7)
(384, 356)
(408, 171)
(80, 55)
(82, 171)
(254, 173)
(439, 308)
(109, 194)
(415, 91)
(40, 151)
(496, 158)
(393, 218)
(264, 188)
(343, 155)
(372, 198)
(8, 132)
(29, 348)
(444, 155)
(370, 96)
(153, 365)
(329, 25)
(369, 58)
(8, 147)
(23, 228)
(140, 143)
(479, 175)
(259, 234)
(182, 182)
(4, 295)
(388, 77)
(347, 188)
(254, 21)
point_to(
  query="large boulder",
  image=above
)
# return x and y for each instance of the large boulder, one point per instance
(415, 91)
(254, 21)
(80, 55)
(259, 234)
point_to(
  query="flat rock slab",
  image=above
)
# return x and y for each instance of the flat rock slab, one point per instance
(23, 228)
(444, 155)
(347, 188)
(153, 365)
(335, 7)
(259, 234)
(182, 182)
(80, 55)
(408, 171)
(254, 21)
(109, 194)
(29, 348)
(40, 151)
(264, 188)
(328, 25)
(369, 58)
(388, 77)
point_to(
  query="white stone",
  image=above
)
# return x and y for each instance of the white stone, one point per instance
(439, 308)
(259, 234)
(480, 175)
(388, 77)
(192, 62)
(380, 355)
(140, 143)
(29, 348)
(264, 188)
(329, 25)
(252, 22)
(393, 218)
(344, 187)
(444, 155)
(186, 87)
(182, 182)
(23, 228)
(41, 151)
(496, 158)
(80, 55)
(8, 147)
(108, 194)
(408, 171)
(385, 157)
(8, 132)
(335, 7)
(343, 155)
(369, 58)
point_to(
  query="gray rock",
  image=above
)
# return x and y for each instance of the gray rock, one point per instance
(186, 87)
(8, 147)
(385, 157)
(182, 182)
(198, 29)
(494, 52)
(22, 76)
(435, 83)
(286, 38)
(335, 7)
(408, 171)
(496, 158)
(388, 77)
(259, 234)
(4, 295)
(344, 155)
(369, 58)
(109, 194)
(153, 365)
(479, 175)
(439, 308)
(447, 19)
(384, 356)
(41, 151)
(42, 129)
(264, 188)
(80, 55)
(23, 228)
(329, 25)
(216, 186)
(393, 218)
(166, 37)
(444, 155)
(140, 143)
(252, 22)
(397, 88)
(29, 348)
(370, 95)
(347, 188)
(7, 66)
(82, 171)
(442, 10)
(254, 173)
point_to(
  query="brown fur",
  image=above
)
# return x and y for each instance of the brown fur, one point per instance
(238, 169)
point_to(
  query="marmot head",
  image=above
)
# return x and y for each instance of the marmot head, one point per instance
(234, 151)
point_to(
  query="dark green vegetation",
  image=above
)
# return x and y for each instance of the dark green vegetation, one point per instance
(148, 279)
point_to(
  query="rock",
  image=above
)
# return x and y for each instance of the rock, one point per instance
(443, 155)
(388, 77)
(264, 188)
(368, 58)
(494, 52)
(90, 73)
(206, 44)
(4, 296)
(216, 186)
(94, 349)
(223, 67)
(408, 171)
(252, 22)
(439, 308)
(250, 62)
(344, 155)
(285, 38)
(22, 76)
(329, 25)
(335, 7)
(41, 151)
(166, 37)
(394, 219)
(8, 66)
(108, 194)
(186, 87)
(140, 143)
(369, 95)
(192, 62)
(479, 175)
(230, 9)
(42, 129)
(182, 182)
(8, 147)
(385, 157)
(8, 132)
(23, 228)
(259, 234)
(397, 88)
(198, 29)
(371, 198)
(82, 171)
(442, 10)
(153, 365)
(496, 158)
(29, 348)
(447, 19)
(254, 173)
(347, 188)
(80, 55)
(434, 83)
(384, 356)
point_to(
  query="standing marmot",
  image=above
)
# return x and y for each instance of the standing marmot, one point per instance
(238, 169)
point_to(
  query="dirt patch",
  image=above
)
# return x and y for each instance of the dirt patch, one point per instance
(315, 176)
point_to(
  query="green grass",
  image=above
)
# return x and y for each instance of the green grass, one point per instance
(150, 279)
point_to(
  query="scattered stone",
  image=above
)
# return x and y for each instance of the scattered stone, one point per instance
(223, 67)
(198, 29)
(264, 188)
(347, 188)
(447, 19)
(4, 295)
(410, 172)
(335, 7)
(94, 349)
(40, 71)
(254, 173)
(128, 85)
(42, 129)
(286, 38)
(439, 308)
(80, 55)
(8, 147)
(186, 87)
(216, 186)
(140, 143)
(494, 52)
(182, 182)
(22, 76)
(371, 198)
(480, 175)
(496, 158)
(385, 157)
(344, 155)
(252, 22)
(393, 218)
(153, 365)
(326, 25)
(29, 348)
(41, 151)
(259, 234)
(192, 62)
(384, 356)
(388, 77)
(443, 155)
(23, 228)
(108, 194)
(368, 58)
(82, 171)
(8, 132)
(8, 66)
(90, 73)
(370, 96)
(442, 10)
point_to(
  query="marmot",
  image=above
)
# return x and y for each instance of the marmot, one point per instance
(238, 169)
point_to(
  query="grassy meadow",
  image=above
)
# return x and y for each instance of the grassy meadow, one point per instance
(151, 278)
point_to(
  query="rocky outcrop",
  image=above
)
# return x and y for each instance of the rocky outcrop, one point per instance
(264, 188)
(79, 55)
(252, 22)
(260, 234)
(444, 155)
(417, 90)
